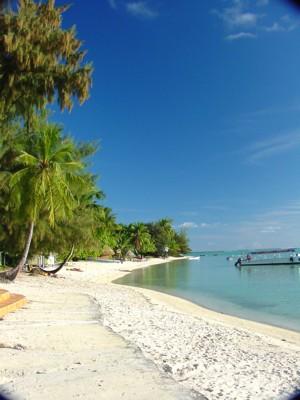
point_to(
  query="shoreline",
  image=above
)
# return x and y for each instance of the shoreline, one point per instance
(193, 309)
(188, 307)
(204, 352)
(114, 270)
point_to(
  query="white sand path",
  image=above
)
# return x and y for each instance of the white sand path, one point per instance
(56, 348)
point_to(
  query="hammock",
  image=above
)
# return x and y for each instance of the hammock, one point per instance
(11, 274)
(58, 267)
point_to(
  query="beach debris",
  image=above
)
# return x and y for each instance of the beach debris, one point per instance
(15, 347)
(167, 368)
(74, 269)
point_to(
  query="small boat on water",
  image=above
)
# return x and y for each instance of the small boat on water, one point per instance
(194, 258)
(270, 257)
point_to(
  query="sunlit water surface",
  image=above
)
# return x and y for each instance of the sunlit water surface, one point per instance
(269, 294)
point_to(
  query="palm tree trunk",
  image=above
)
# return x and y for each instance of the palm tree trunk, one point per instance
(12, 273)
(27, 247)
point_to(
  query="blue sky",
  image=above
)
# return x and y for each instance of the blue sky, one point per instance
(196, 105)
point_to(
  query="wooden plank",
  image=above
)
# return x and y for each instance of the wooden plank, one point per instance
(12, 303)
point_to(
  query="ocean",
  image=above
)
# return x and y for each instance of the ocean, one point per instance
(268, 294)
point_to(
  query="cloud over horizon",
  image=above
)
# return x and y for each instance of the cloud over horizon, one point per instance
(276, 227)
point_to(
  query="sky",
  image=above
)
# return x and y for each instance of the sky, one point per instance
(196, 106)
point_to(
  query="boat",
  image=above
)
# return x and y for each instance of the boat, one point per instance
(270, 257)
(194, 258)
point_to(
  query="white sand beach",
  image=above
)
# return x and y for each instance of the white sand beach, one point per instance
(81, 336)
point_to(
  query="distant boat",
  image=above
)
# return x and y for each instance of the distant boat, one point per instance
(194, 258)
(270, 257)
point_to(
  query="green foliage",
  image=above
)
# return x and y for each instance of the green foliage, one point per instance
(151, 239)
(39, 60)
(47, 185)
(182, 241)
(165, 237)
(140, 239)
(162, 233)
(123, 242)
(47, 173)
(107, 228)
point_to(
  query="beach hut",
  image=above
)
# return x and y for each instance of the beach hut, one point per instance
(41, 260)
(107, 252)
(130, 255)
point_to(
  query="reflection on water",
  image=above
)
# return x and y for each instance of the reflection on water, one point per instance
(170, 275)
(263, 272)
(269, 294)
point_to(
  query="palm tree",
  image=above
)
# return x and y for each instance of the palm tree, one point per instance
(79, 231)
(141, 238)
(107, 227)
(45, 181)
(162, 234)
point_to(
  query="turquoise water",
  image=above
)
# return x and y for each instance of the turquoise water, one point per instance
(268, 294)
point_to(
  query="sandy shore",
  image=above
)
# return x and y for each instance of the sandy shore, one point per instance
(64, 349)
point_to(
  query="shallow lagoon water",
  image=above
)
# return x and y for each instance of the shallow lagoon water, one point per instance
(268, 294)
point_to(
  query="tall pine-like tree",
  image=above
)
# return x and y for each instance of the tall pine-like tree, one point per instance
(40, 61)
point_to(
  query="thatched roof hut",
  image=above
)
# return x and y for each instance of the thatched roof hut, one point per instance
(107, 252)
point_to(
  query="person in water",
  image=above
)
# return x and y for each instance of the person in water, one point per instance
(238, 263)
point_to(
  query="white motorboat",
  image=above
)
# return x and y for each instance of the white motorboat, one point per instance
(269, 257)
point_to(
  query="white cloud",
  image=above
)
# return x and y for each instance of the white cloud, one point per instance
(188, 225)
(140, 9)
(277, 226)
(276, 27)
(286, 24)
(244, 19)
(240, 35)
(194, 225)
(237, 15)
(273, 146)
(112, 3)
(271, 229)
